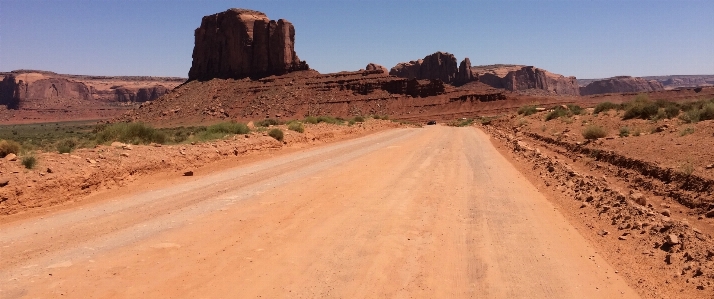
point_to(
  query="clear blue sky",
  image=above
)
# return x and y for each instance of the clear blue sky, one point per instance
(582, 38)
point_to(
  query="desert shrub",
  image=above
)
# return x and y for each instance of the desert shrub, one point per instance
(637, 132)
(594, 132)
(358, 119)
(707, 112)
(296, 126)
(557, 112)
(351, 122)
(29, 161)
(690, 116)
(687, 168)
(66, 145)
(229, 128)
(8, 147)
(276, 133)
(267, 122)
(310, 120)
(527, 110)
(641, 107)
(461, 122)
(624, 132)
(671, 111)
(134, 133)
(575, 109)
(606, 106)
(686, 131)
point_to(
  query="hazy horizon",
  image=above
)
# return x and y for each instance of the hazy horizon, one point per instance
(585, 39)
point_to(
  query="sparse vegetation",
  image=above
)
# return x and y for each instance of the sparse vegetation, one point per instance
(606, 106)
(67, 145)
(624, 132)
(557, 112)
(267, 122)
(358, 119)
(527, 110)
(461, 122)
(641, 107)
(134, 133)
(594, 132)
(296, 126)
(29, 161)
(686, 131)
(687, 168)
(8, 147)
(276, 133)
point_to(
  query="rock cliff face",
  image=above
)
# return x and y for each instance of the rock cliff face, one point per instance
(528, 77)
(241, 43)
(465, 75)
(621, 84)
(440, 65)
(44, 90)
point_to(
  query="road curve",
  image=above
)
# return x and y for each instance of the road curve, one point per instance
(431, 212)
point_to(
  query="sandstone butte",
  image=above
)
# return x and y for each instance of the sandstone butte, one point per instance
(242, 43)
(621, 84)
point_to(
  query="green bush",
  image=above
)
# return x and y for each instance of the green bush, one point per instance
(605, 106)
(575, 109)
(671, 111)
(641, 107)
(135, 133)
(359, 119)
(66, 145)
(527, 110)
(8, 147)
(624, 132)
(686, 131)
(310, 120)
(29, 161)
(276, 133)
(594, 132)
(267, 122)
(296, 126)
(557, 112)
(229, 128)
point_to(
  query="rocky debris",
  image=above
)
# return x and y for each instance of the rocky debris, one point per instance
(673, 242)
(376, 68)
(440, 65)
(4, 182)
(242, 43)
(188, 173)
(710, 214)
(11, 157)
(523, 78)
(639, 198)
(621, 84)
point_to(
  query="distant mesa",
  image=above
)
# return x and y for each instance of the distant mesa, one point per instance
(440, 65)
(242, 43)
(521, 78)
(31, 89)
(621, 84)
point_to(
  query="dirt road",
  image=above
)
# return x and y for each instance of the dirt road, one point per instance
(434, 212)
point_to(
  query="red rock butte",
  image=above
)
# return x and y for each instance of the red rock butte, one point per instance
(242, 43)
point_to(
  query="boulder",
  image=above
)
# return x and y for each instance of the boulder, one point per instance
(242, 43)
(621, 84)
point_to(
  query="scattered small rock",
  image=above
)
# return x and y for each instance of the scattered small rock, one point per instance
(49, 170)
(11, 157)
(188, 173)
(710, 214)
(622, 237)
(672, 239)
(639, 198)
(666, 212)
(4, 182)
(710, 166)
(124, 155)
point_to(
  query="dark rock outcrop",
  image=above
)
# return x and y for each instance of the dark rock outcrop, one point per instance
(529, 77)
(465, 75)
(144, 94)
(15, 92)
(374, 68)
(241, 43)
(440, 65)
(621, 84)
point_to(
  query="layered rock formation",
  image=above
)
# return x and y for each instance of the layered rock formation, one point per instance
(440, 65)
(241, 43)
(48, 90)
(621, 84)
(521, 78)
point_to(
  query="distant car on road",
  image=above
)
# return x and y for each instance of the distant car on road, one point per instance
(431, 122)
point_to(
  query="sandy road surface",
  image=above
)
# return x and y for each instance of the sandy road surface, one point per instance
(407, 213)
